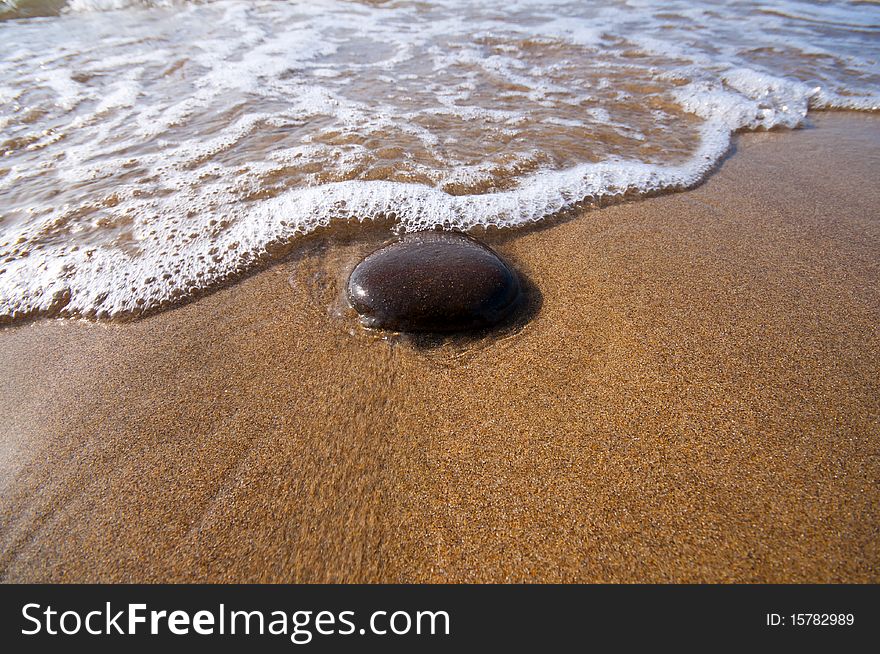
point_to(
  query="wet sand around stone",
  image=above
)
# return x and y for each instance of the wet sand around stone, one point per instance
(697, 399)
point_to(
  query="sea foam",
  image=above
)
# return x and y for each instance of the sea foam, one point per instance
(152, 149)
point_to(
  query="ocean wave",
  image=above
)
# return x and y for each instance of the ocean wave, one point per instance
(149, 153)
(34, 8)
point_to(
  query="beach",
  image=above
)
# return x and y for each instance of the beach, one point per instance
(695, 397)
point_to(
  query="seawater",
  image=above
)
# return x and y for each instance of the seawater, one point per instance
(149, 149)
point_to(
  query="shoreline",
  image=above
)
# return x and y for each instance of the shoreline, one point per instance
(698, 399)
(378, 230)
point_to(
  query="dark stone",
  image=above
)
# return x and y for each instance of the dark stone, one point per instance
(433, 282)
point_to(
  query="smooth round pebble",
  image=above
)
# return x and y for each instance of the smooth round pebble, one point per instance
(433, 282)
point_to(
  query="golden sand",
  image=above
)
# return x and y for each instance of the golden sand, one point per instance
(698, 399)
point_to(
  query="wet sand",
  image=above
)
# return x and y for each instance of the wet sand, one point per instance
(698, 399)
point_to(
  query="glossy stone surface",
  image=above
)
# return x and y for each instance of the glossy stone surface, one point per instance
(433, 282)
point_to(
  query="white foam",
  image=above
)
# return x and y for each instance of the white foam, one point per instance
(86, 6)
(746, 99)
(156, 148)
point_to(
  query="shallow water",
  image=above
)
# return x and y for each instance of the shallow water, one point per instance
(151, 149)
